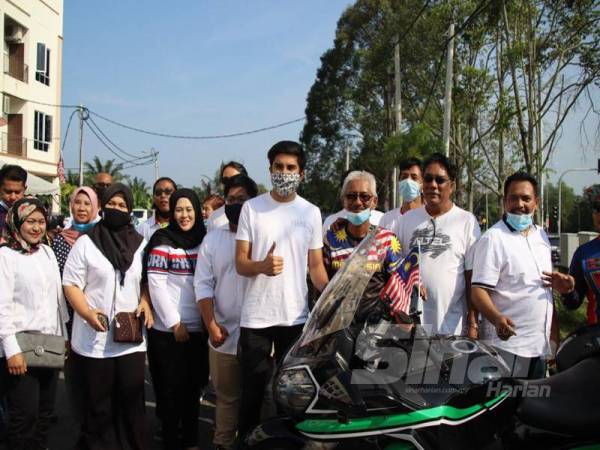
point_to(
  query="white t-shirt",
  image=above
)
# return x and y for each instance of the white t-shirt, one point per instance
(446, 252)
(217, 219)
(148, 228)
(89, 270)
(391, 220)
(374, 218)
(510, 266)
(30, 296)
(217, 278)
(171, 286)
(295, 228)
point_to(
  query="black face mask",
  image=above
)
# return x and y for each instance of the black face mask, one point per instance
(115, 219)
(233, 213)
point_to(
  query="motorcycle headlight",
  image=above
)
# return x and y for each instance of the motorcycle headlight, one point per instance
(295, 390)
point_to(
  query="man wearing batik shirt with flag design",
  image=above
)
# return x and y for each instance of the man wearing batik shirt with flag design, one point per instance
(359, 198)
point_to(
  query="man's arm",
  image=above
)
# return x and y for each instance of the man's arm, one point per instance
(472, 313)
(272, 265)
(316, 269)
(482, 301)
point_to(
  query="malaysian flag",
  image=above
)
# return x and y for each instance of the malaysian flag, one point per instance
(401, 283)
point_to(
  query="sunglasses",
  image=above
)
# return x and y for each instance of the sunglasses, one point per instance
(102, 185)
(159, 192)
(438, 180)
(363, 196)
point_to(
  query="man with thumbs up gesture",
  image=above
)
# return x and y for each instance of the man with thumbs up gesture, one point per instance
(278, 237)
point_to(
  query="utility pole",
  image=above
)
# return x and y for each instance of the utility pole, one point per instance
(155, 157)
(448, 93)
(81, 119)
(347, 157)
(397, 115)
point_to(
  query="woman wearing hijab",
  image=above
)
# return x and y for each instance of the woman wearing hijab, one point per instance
(31, 299)
(177, 345)
(101, 278)
(83, 205)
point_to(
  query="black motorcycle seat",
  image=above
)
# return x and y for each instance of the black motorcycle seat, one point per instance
(573, 403)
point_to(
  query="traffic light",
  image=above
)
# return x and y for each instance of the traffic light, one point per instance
(555, 212)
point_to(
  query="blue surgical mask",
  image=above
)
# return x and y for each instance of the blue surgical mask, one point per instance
(519, 222)
(358, 218)
(409, 189)
(82, 227)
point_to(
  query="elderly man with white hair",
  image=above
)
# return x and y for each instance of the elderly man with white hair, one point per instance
(374, 218)
(359, 198)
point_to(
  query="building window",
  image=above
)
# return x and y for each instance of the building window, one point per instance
(42, 68)
(42, 131)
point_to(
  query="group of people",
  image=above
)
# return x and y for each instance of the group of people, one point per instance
(223, 297)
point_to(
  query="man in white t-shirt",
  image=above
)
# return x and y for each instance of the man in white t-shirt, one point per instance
(161, 193)
(220, 293)
(411, 188)
(218, 219)
(512, 281)
(278, 237)
(446, 235)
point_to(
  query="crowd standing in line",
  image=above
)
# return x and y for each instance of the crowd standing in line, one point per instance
(222, 290)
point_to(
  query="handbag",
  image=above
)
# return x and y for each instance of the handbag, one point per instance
(127, 328)
(41, 350)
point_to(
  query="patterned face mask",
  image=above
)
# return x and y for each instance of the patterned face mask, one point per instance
(285, 184)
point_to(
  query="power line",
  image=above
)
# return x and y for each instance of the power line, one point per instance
(177, 136)
(111, 142)
(125, 161)
(62, 148)
(45, 104)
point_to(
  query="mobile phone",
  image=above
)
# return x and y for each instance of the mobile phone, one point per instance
(103, 319)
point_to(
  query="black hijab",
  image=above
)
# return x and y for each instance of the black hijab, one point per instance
(115, 235)
(173, 235)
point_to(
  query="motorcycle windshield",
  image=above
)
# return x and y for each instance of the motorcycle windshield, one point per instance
(338, 303)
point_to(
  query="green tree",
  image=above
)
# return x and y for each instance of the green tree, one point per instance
(109, 166)
(140, 191)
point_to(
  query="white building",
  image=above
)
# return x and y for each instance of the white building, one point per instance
(31, 80)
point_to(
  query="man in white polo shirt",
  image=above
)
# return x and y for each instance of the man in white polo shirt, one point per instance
(513, 279)
(278, 237)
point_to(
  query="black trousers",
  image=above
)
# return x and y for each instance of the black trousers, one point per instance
(179, 372)
(113, 403)
(254, 353)
(30, 399)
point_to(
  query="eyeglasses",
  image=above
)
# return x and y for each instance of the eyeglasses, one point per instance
(159, 192)
(438, 180)
(102, 185)
(363, 196)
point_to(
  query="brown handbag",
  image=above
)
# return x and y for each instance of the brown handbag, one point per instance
(127, 328)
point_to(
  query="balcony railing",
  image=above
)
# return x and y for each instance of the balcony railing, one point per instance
(14, 145)
(19, 71)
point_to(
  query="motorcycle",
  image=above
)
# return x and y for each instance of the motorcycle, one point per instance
(360, 378)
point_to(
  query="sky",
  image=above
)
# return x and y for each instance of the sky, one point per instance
(195, 67)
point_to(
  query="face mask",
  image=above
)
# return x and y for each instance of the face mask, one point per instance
(82, 227)
(519, 222)
(114, 219)
(233, 213)
(358, 218)
(285, 184)
(409, 189)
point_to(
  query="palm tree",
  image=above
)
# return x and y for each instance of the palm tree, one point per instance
(97, 166)
(139, 190)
